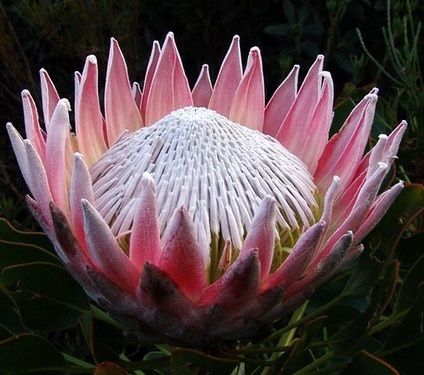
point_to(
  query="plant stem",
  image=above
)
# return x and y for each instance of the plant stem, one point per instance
(101, 315)
(310, 316)
(77, 362)
(314, 364)
(286, 337)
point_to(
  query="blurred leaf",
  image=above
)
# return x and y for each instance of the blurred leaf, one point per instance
(10, 322)
(278, 30)
(37, 239)
(349, 337)
(409, 290)
(411, 328)
(44, 293)
(47, 297)
(363, 276)
(13, 253)
(29, 353)
(366, 363)
(289, 11)
(106, 342)
(408, 205)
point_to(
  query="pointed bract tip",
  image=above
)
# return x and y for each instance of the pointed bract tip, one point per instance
(269, 203)
(255, 51)
(325, 74)
(320, 57)
(205, 68)
(360, 248)
(85, 204)
(78, 155)
(349, 233)
(401, 184)
(148, 181)
(25, 94)
(383, 136)
(170, 35)
(374, 91)
(371, 97)
(404, 123)
(236, 38)
(65, 103)
(91, 59)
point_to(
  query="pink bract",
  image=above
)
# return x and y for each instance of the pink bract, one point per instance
(202, 214)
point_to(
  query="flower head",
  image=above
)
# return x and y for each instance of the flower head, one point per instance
(202, 214)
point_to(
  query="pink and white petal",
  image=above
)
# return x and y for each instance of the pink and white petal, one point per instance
(261, 235)
(320, 271)
(49, 97)
(39, 185)
(80, 188)
(378, 210)
(236, 287)
(359, 211)
(391, 148)
(20, 152)
(105, 252)
(329, 200)
(120, 108)
(319, 127)
(145, 236)
(88, 116)
(247, 107)
(57, 137)
(181, 255)
(278, 106)
(137, 94)
(77, 84)
(377, 154)
(345, 149)
(150, 72)
(346, 202)
(170, 89)
(202, 90)
(228, 80)
(395, 138)
(351, 255)
(299, 258)
(32, 125)
(292, 132)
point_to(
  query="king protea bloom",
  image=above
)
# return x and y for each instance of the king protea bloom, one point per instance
(202, 214)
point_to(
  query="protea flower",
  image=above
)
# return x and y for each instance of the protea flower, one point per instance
(202, 214)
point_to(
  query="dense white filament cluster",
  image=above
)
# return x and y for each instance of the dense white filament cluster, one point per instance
(219, 170)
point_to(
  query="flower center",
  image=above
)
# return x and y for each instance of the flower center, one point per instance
(219, 170)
